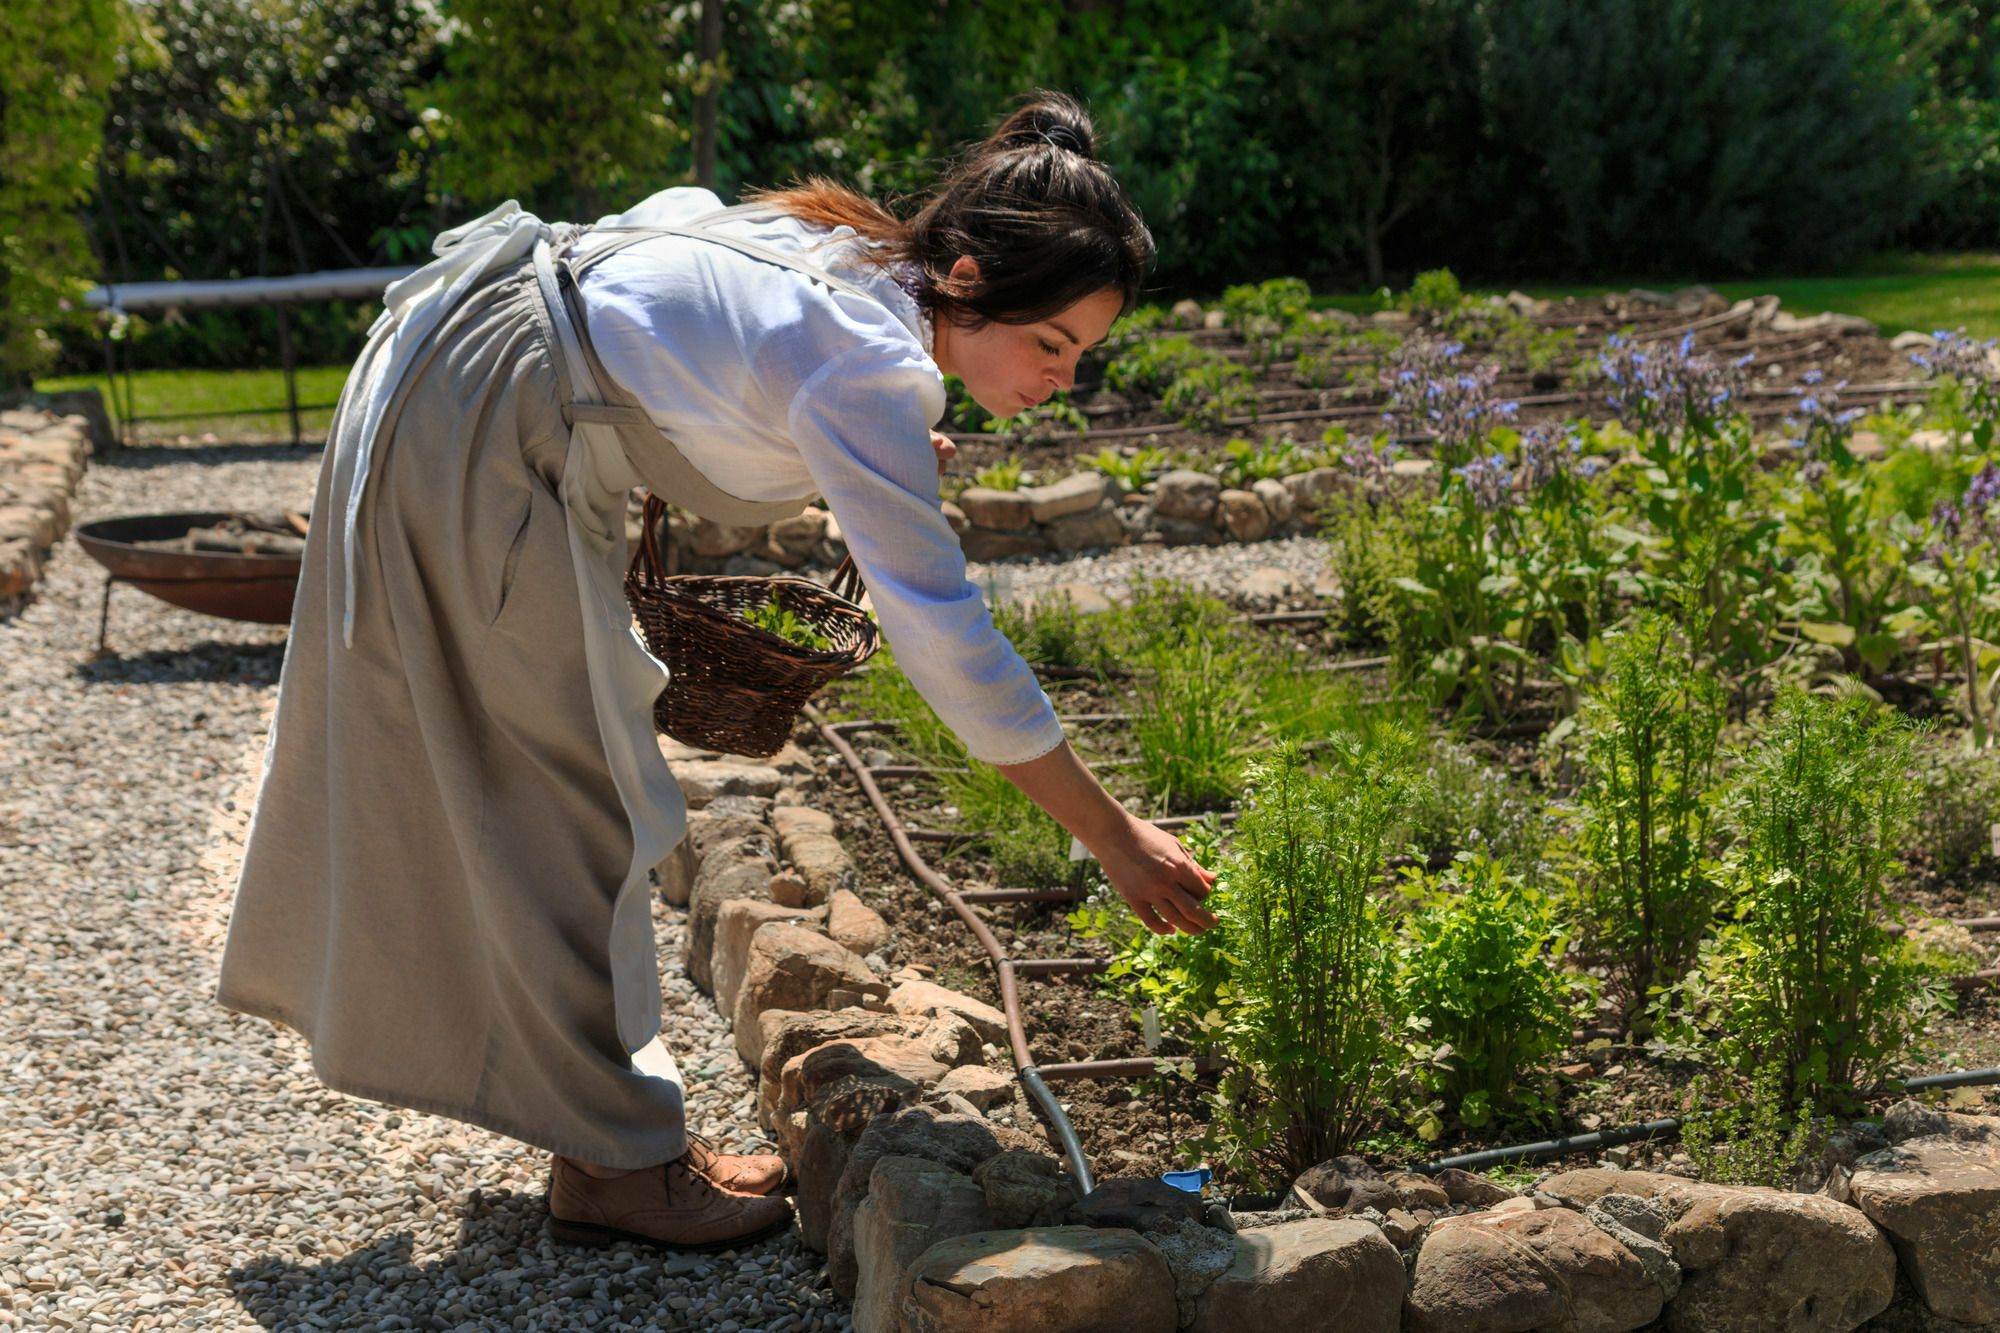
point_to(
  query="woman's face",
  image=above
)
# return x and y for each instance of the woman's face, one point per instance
(1008, 368)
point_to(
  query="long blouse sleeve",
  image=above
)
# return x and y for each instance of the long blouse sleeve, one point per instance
(774, 387)
(862, 425)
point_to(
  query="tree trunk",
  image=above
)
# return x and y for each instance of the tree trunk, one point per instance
(707, 100)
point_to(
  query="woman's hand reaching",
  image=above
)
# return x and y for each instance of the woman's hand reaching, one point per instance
(1148, 866)
(1159, 879)
(944, 448)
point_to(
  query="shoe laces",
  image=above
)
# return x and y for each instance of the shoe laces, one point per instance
(703, 1187)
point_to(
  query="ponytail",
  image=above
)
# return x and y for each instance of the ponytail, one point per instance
(1045, 220)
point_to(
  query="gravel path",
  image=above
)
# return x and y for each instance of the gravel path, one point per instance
(167, 1164)
(1213, 569)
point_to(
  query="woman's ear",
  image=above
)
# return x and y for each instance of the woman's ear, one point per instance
(965, 275)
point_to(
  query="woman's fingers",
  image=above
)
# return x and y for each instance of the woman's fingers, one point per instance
(945, 449)
(1169, 887)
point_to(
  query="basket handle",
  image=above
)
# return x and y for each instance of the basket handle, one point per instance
(646, 558)
(846, 580)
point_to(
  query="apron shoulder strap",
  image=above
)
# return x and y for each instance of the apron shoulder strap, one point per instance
(701, 230)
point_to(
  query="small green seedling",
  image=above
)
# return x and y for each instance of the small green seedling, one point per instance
(773, 618)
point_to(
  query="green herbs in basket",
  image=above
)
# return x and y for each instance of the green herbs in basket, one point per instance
(773, 618)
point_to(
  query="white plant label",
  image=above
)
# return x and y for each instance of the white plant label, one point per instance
(1995, 833)
(1149, 1027)
(1079, 852)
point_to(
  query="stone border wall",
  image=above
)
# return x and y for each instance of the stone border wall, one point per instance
(1080, 512)
(45, 441)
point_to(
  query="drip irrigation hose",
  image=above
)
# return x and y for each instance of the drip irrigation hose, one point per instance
(1079, 1165)
(1663, 1130)
(1034, 1078)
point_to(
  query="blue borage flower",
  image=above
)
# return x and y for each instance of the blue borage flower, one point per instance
(1488, 480)
(1818, 425)
(1552, 450)
(1971, 520)
(1957, 355)
(1431, 394)
(1654, 387)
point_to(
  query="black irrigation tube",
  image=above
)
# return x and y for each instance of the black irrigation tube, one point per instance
(1034, 1078)
(1663, 1130)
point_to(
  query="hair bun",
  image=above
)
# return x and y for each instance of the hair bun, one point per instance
(1046, 120)
(1062, 136)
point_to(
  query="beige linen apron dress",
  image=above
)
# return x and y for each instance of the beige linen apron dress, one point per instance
(445, 887)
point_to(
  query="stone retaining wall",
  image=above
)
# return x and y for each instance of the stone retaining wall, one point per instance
(44, 443)
(1085, 511)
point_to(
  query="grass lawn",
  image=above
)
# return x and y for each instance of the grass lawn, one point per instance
(1898, 292)
(214, 395)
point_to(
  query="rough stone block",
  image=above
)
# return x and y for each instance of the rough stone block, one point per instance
(1517, 1271)
(1313, 1273)
(1039, 1279)
(1078, 494)
(927, 998)
(790, 967)
(855, 924)
(912, 1204)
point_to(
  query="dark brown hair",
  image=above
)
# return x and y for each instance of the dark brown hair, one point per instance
(1046, 221)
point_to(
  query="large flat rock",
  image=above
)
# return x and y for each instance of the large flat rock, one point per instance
(1041, 1279)
(1315, 1273)
(1525, 1271)
(1939, 1200)
(1758, 1260)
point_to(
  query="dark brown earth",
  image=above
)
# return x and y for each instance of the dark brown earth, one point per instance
(1048, 451)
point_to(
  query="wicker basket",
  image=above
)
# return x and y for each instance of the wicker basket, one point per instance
(733, 687)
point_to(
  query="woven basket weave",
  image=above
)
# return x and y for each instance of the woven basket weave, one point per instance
(733, 687)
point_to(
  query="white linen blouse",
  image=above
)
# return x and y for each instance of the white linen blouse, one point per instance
(775, 387)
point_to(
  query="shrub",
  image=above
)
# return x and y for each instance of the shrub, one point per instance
(1153, 364)
(1811, 980)
(1476, 981)
(1193, 720)
(1051, 631)
(1204, 397)
(1295, 985)
(1129, 472)
(1434, 294)
(1371, 548)
(1754, 1142)
(1470, 804)
(1646, 890)
(1004, 475)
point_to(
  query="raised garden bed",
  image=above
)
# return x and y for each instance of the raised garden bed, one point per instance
(1591, 800)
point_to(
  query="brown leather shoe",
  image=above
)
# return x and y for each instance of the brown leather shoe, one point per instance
(669, 1206)
(739, 1174)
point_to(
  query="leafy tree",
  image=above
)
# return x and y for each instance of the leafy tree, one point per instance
(567, 105)
(60, 57)
(1953, 46)
(271, 136)
(1368, 105)
(1685, 136)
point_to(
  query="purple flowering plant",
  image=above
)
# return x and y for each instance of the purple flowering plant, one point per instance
(1958, 576)
(1968, 382)
(1698, 457)
(1846, 570)
(1432, 393)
